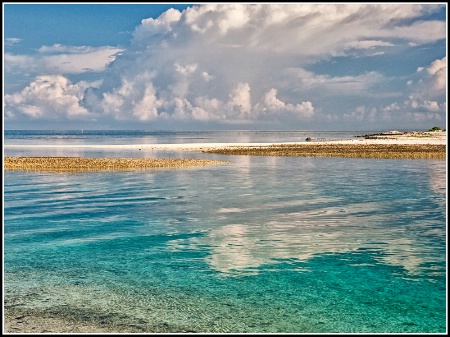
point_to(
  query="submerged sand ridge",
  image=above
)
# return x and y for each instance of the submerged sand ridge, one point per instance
(76, 164)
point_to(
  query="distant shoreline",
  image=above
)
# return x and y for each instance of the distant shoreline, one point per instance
(392, 144)
(412, 137)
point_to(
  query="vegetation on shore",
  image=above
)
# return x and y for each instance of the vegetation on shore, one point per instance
(435, 128)
(414, 134)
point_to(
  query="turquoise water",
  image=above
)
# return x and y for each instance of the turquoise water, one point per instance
(264, 244)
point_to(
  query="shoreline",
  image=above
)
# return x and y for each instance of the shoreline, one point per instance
(411, 138)
(410, 145)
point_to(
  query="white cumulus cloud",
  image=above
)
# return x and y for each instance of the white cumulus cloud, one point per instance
(58, 59)
(50, 97)
(233, 63)
(428, 92)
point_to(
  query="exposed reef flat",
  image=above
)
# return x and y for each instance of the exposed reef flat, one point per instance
(413, 151)
(77, 164)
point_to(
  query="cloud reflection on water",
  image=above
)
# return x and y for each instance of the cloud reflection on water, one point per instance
(254, 235)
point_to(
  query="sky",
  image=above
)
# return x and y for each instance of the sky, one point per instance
(225, 66)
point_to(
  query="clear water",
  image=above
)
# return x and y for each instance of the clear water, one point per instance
(264, 244)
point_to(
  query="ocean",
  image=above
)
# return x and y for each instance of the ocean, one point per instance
(260, 245)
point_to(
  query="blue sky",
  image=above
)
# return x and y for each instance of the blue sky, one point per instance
(291, 66)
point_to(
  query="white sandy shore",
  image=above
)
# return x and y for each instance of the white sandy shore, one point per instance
(438, 138)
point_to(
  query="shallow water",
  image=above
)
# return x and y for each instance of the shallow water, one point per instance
(264, 244)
